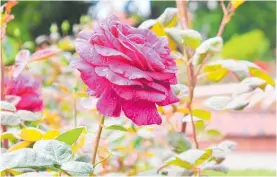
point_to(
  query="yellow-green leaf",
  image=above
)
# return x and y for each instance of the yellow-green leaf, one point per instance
(211, 68)
(116, 127)
(20, 145)
(201, 114)
(237, 3)
(71, 136)
(158, 29)
(262, 75)
(169, 17)
(208, 153)
(14, 172)
(30, 134)
(51, 134)
(8, 136)
(179, 162)
(217, 75)
(213, 133)
(199, 125)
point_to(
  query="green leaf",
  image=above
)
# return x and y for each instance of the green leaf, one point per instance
(217, 102)
(71, 136)
(180, 163)
(202, 114)
(9, 136)
(262, 75)
(25, 158)
(217, 75)
(83, 158)
(199, 125)
(9, 118)
(44, 174)
(191, 156)
(169, 17)
(27, 115)
(237, 104)
(239, 67)
(179, 142)
(76, 168)
(213, 45)
(59, 151)
(183, 38)
(116, 127)
(204, 157)
(248, 85)
(5, 106)
(214, 134)
(147, 24)
(180, 89)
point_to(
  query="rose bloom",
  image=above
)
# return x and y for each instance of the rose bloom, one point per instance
(27, 89)
(128, 69)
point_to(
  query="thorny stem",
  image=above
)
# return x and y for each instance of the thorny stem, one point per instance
(97, 139)
(183, 15)
(191, 74)
(183, 12)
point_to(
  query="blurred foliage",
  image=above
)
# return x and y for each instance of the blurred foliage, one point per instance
(251, 15)
(34, 18)
(249, 46)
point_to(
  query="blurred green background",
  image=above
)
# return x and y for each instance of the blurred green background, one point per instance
(250, 35)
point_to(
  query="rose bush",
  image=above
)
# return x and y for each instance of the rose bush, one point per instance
(126, 68)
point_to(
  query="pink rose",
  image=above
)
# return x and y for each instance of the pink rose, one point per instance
(126, 68)
(26, 88)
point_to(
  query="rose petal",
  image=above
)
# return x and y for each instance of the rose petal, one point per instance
(128, 70)
(90, 78)
(88, 53)
(85, 34)
(141, 112)
(108, 52)
(113, 77)
(134, 93)
(30, 101)
(170, 98)
(109, 104)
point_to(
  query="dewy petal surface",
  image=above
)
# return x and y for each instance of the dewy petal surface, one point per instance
(109, 104)
(141, 112)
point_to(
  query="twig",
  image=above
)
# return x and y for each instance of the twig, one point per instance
(97, 139)
(103, 160)
(226, 17)
(183, 13)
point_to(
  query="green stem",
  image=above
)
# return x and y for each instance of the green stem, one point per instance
(97, 139)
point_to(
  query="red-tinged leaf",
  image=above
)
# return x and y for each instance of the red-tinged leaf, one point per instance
(21, 61)
(44, 54)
